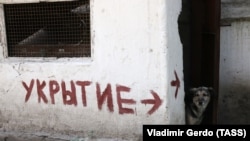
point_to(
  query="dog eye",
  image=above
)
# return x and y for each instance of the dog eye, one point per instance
(205, 94)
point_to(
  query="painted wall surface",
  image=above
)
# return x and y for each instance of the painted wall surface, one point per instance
(234, 93)
(175, 93)
(133, 77)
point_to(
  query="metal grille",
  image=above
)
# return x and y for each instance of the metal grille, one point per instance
(49, 29)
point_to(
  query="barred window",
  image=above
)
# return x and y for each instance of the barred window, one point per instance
(48, 29)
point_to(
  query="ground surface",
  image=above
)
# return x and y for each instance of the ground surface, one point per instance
(13, 136)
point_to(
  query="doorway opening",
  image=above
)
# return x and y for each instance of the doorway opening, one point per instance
(199, 29)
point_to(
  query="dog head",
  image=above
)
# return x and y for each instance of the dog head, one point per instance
(200, 97)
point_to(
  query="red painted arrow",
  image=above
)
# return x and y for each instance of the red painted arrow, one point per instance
(156, 101)
(176, 83)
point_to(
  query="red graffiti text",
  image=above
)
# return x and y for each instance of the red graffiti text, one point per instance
(103, 95)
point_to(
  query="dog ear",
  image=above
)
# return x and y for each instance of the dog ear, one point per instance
(211, 91)
(192, 91)
(189, 95)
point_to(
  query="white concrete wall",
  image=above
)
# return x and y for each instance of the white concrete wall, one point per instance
(136, 54)
(234, 91)
(235, 9)
(234, 94)
(174, 64)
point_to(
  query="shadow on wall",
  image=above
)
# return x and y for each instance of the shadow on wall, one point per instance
(234, 104)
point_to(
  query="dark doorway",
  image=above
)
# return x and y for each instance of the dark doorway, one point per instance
(199, 27)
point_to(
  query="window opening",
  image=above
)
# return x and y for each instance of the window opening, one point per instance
(48, 29)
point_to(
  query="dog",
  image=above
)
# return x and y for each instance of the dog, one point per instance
(196, 103)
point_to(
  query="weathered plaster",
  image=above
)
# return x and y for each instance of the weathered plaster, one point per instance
(136, 55)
